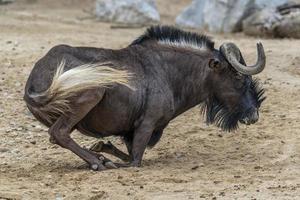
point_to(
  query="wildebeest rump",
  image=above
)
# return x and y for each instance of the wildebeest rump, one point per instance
(136, 91)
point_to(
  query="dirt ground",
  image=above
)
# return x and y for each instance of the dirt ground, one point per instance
(192, 160)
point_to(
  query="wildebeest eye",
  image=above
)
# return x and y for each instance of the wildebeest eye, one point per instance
(215, 64)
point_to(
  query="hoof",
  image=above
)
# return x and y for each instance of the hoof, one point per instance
(107, 163)
(103, 164)
(97, 167)
(136, 164)
(94, 167)
(110, 165)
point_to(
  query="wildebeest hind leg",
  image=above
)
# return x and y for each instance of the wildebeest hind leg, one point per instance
(110, 149)
(60, 131)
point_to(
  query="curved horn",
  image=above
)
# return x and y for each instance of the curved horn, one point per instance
(233, 55)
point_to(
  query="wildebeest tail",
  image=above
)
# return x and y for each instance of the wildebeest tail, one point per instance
(67, 84)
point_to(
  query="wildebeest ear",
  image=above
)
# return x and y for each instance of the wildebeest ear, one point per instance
(215, 64)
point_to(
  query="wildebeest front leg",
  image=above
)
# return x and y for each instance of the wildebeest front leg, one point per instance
(141, 138)
(60, 131)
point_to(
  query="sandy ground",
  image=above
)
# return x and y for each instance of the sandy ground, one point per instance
(192, 161)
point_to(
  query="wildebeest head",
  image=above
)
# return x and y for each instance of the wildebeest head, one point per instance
(235, 96)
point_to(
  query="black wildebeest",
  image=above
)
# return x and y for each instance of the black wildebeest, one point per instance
(136, 91)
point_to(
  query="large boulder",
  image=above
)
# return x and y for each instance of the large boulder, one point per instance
(192, 16)
(289, 26)
(127, 11)
(262, 23)
(221, 15)
(283, 21)
(225, 15)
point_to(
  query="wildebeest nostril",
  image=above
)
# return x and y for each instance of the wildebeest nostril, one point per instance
(254, 116)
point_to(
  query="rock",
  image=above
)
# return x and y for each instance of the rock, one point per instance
(32, 142)
(289, 26)
(282, 21)
(127, 11)
(222, 15)
(58, 196)
(228, 17)
(192, 16)
(195, 167)
(38, 127)
(261, 23)
(215, 15)
(18, 84)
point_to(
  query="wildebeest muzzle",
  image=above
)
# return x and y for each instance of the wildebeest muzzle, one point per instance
(250, 117)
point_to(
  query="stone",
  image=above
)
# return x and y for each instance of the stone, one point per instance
(228, 17)
(289, 26)
(214, 15)
(222, 15)
(127, 11)
(262, 23)
(274, 22)
(192, 16)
